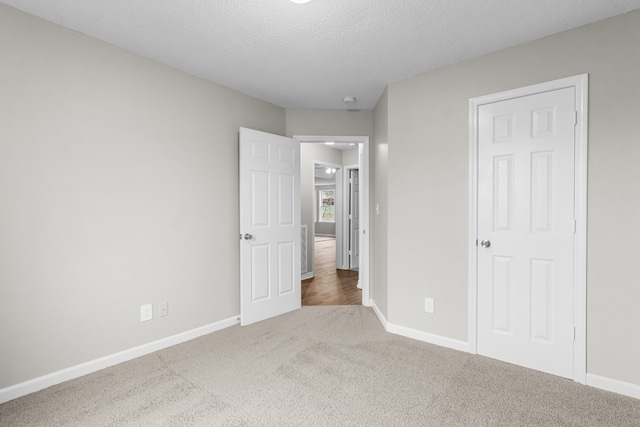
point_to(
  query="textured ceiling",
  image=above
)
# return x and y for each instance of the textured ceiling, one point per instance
(312, 55)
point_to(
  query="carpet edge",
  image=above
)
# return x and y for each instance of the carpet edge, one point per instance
(30, 386)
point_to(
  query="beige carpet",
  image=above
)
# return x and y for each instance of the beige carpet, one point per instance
(324, 365)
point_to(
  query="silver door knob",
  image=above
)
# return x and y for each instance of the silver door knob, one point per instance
(485, 243)
(248, 236)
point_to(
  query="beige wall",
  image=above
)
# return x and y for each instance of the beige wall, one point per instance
(324, 228)
(329, 122)
(379, 204)
(428, 184)
(350, 157)
(118, 186)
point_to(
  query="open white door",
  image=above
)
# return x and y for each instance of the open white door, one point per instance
(269, 225)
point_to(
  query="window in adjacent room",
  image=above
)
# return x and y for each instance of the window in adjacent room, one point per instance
(327, 206)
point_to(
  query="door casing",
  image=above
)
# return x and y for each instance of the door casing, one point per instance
(580, 83)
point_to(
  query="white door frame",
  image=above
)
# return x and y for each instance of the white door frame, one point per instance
(363, 150)
(580, 83)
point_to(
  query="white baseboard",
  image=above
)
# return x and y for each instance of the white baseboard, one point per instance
(31, 386)
(378, 313)
(36, 384)
(596, 381)
(616, 386)
(427, 337)
(419, 335)
(306, 276)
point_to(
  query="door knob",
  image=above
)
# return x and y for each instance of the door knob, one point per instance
(485, 243)
(248, 236)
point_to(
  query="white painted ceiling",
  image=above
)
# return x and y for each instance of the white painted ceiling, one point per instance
(342, 146)
(313, 55)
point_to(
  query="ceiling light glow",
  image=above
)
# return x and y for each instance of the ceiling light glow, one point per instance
(300, 1)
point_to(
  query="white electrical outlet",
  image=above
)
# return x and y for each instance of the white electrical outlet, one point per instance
(429, 305)
(163, 308)
(146, 312)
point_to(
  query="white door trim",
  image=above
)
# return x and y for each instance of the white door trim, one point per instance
(580, 83)
(363, 141)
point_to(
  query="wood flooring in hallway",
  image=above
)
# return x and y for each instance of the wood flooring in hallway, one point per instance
(330, 286)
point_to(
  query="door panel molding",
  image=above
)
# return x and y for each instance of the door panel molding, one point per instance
(269, 201)
(580, 83)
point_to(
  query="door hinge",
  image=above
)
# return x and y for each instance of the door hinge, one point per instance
(575, 226)
(575, 117)
(574, 333)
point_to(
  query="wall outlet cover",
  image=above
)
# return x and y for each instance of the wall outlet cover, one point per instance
(429, 305)
(146, 312)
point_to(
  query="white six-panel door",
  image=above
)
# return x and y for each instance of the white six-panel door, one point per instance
(526, 224)
(269, 225)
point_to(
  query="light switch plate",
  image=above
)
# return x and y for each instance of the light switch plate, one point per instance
(163, 308)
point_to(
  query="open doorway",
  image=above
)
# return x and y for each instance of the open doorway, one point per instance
(334, 282)
(332, 223)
